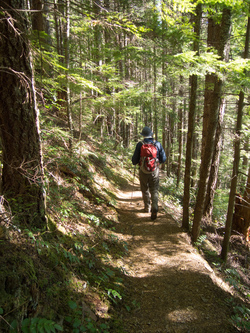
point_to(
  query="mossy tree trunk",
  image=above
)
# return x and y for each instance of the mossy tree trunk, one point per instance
(22, 177)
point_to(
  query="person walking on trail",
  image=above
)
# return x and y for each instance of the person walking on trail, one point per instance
(149, 154)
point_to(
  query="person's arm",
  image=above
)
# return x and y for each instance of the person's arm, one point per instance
(162, 155)
(137, 154)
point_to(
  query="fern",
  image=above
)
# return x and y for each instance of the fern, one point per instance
(36, 325)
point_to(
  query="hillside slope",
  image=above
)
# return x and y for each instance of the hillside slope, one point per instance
(101, 264)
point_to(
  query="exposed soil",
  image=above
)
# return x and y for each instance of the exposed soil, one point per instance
(172, 287)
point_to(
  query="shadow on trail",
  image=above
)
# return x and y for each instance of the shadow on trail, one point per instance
(169, 286)
(170, 301)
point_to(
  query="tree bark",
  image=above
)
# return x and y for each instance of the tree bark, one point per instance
(241, 216)
(225, 245)
(191, 123)
(37, 16)
(67, 64)
(22, 177)
(218, 35)
(155, 124)
(212, 182)
(207, 153)
(164, 113)
(180, 133)
(230, 208)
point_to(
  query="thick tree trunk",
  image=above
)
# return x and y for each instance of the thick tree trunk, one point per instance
(207, 152)
(37, 16)
(212, 182)
(218, 35)
(22, 178)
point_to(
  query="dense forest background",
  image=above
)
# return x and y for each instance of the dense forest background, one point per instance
(80, 79)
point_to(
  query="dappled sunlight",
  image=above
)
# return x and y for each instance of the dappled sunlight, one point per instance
(173, 286)
(183, 315)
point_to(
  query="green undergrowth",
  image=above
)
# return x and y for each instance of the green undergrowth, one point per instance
(68, 277)
(235, 271)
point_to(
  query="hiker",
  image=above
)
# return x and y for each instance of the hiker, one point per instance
(149, 159)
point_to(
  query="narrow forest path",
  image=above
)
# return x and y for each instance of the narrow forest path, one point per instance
(172, 287)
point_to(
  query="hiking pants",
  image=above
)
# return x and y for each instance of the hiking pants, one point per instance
(150, 186)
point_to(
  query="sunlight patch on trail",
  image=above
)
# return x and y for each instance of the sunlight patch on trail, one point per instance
(174, 288)
(184, 315)
(150, 257)
(129, 195)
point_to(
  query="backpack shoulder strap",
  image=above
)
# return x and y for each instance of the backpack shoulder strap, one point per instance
(148, 143)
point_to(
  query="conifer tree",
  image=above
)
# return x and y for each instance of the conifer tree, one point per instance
(218, 34)
(22, 177)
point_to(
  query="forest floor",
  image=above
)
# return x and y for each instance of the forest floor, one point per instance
(172, 287)
(130, 273)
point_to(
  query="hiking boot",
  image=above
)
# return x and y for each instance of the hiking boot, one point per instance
(153, 215)
(147, 209)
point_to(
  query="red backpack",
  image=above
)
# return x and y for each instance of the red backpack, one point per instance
(148, 157)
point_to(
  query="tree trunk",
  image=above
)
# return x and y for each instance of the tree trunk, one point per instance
(22, 177)
(241, 216)
(168, 145)
(180, 134)
(195, 156)
(59, 32)
(207, 154)
(155, 125)
(37, 16)
(164, 91)
(230, 208)
(212, 182)
(225, 245)
(191, 123)
(67, 65)
(218, 35)
(244, 164)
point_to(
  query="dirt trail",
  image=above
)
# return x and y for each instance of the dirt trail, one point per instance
(172, 287)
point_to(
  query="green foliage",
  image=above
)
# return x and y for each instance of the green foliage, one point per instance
(79, 323)
(200, 240)
(220, 206)
(233, 277)
(118, 80)
(241, 316)
(113, 294)
(170, 191)
(36, 325)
